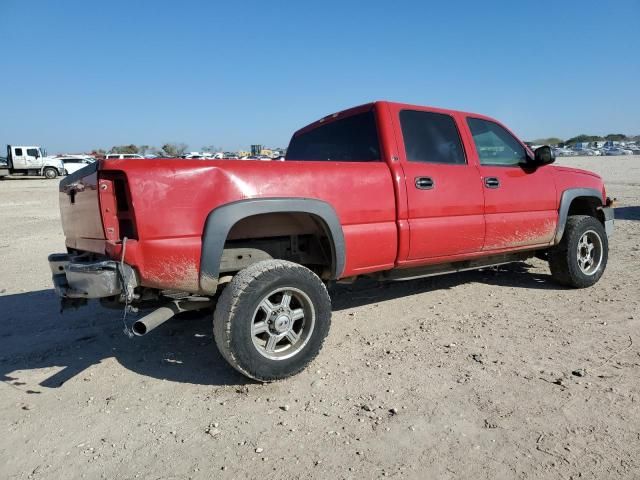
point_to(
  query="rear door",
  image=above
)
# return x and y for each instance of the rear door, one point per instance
(19, 158)
(444, 191)
(520, 202)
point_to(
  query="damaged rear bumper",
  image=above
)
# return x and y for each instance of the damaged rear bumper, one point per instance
(76, 277)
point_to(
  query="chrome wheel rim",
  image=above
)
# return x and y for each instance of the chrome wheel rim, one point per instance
(282, 323)
(589, 252)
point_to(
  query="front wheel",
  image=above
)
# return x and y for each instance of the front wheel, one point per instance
(272, 319)
(580, 259)
(50, 173)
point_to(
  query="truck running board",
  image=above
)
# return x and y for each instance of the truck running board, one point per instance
(440, 269)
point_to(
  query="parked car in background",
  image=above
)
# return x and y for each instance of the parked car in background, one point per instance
(634, 148)
(73, 164)
(611, 151)
(588, 152)
(225, 156)
(564, 152)
(116, 156)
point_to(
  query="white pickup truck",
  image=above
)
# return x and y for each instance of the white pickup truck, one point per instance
(32, 161)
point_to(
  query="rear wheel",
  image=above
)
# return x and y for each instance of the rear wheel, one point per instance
(50, 173)
(272, 319)
(581, 257)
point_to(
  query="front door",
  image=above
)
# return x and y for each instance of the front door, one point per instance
(520, 202)
(33, 158)
(444, 192)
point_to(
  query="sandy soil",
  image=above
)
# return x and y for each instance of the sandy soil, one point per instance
(462, 376)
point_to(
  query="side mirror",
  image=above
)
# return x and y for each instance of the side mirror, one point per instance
(544, 155)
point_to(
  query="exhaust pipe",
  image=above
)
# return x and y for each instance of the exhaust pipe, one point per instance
(158, 317)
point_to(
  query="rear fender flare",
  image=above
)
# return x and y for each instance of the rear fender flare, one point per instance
(220, 221)
(568, 196)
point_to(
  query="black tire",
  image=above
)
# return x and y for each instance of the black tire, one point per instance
(50, 173)
(563, 259)
(240, 313)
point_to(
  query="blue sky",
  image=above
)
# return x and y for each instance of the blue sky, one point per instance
(83, 74)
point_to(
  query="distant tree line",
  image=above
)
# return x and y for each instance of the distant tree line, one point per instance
(167, 150)
(615, 137)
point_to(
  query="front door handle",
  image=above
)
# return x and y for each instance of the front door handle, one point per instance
(491, 182)
(424, 183)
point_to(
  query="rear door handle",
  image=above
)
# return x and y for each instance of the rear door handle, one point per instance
(425, 183)
(491, 182)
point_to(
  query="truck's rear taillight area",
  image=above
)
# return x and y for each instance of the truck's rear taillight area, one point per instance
(116, 207)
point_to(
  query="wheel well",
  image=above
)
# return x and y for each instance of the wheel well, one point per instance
(586, 206)
(302, 238)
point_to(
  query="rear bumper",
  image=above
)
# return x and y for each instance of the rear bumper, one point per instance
(75, 277)
(609, 219)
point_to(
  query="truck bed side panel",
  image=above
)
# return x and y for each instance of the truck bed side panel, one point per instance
(172, 198)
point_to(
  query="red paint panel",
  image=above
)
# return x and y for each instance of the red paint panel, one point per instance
(447, 235)
(369, 247)
(171, 207)
(449, 218)
(171, 263)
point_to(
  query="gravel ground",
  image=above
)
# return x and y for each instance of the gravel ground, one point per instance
(484, 375)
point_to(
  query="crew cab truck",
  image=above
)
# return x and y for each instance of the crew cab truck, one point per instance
(384, 190)
(31, 161)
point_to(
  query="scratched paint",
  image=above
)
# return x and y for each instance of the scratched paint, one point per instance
(175, 273)
(535, 234)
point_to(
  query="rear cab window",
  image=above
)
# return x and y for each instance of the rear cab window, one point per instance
(18, 152)
(350, 139)
(431, 137)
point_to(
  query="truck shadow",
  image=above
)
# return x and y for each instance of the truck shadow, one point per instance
(25, 178)
(367, 291)
(34, 336)
(627, 213)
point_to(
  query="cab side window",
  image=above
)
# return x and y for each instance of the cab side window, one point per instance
(33, 152)
(18, 151)
(495, 145)
(431, 137)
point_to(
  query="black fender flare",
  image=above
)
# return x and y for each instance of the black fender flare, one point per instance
(221, 219)
(569, 196)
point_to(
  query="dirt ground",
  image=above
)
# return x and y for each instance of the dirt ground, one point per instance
(460, 376)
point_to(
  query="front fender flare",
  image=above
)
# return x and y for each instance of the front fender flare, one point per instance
(569, 196)
(221, 219)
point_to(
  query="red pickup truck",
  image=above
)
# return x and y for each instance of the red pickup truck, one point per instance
(384, 190)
